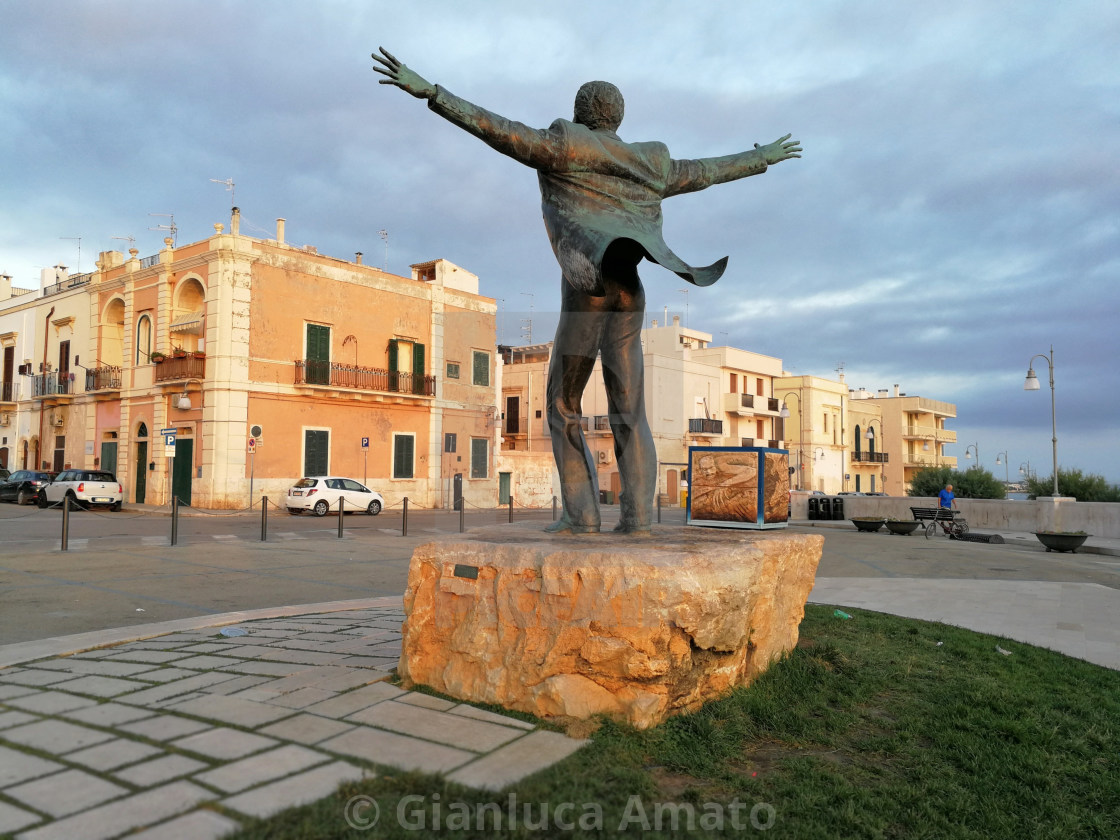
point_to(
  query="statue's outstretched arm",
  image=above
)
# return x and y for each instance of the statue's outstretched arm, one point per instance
(401, 76)
(530, 146)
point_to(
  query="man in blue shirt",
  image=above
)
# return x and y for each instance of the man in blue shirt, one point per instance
(946, 500)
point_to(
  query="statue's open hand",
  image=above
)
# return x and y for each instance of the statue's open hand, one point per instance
(781, 149)
(401, 76)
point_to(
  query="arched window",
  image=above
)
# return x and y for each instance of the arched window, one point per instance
(858, 436)
(143, 340)
(142, 430)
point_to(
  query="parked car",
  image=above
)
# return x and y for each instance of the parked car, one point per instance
(4, 474)
(86, 488)
(320, 494)
(22, 486)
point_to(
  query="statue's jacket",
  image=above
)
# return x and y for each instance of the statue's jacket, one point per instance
(596, 188)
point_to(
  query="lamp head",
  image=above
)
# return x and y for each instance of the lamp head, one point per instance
(184, 402)
(784, 413)
(1031, 383)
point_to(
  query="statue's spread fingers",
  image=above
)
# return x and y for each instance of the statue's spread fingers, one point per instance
(391, 74)
(393, 61)
(784, 139)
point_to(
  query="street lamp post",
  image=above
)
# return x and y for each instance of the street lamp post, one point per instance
(1031, 384)
(1006, 478)
(975, 447)
(785, 414)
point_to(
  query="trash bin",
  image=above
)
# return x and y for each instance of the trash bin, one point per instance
(825, 508)
(684, 498)
(814, 508)
(837, 508)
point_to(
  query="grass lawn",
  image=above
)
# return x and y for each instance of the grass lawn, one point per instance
(875, 727)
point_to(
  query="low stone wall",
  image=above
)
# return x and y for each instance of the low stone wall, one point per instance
(1101, 519)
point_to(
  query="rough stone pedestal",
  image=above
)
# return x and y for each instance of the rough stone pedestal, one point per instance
(639, 628)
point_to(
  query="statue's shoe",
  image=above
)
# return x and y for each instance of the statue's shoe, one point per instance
(625, 527)
(563, 526)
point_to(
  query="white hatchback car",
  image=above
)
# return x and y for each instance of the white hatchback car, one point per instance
(320, 494)
(85, 488)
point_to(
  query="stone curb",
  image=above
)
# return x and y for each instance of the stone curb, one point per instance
(16, 654)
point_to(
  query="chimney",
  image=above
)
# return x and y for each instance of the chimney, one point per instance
(235, 222)
(882, 393)
(5, 286)
(676, 320)
(896, 391)
(653, 323)
(280, 231)
(358, 257)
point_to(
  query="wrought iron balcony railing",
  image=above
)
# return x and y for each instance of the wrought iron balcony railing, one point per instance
(107, 378)
(52, 384)
(871, 457)
(314, 372)
(704, 426)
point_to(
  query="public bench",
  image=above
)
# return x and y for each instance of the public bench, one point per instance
(956, 527)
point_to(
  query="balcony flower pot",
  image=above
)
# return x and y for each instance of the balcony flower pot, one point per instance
(870, 524)
(156, 358)
(1062, 540)
(902, 526)
(179, 354)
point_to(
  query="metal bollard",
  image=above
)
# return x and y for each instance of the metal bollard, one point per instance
(462, 515)
(65, 521)
(264, 518)
(174, 520)
(404, 517)
(511, 507)
(658, 508)
(341, 502)
(553, 508)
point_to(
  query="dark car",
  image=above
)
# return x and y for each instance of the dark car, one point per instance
(23, 486)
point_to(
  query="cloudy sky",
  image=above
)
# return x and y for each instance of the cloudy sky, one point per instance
(956, 211)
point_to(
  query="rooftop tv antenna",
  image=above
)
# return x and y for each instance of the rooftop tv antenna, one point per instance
(174, 231)
(229, 186)
(131, 240)
(527, 323)
(384, 234)
(79, 241)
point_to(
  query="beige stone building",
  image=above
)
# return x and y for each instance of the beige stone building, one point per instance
(329, 365)
(816, 431)
(918, 424)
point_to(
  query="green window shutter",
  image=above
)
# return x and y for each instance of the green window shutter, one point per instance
(418, 369)
(479, 452)
(318, 357)
(316, 445)
(393, 355)
(481, 371)
(403, 450)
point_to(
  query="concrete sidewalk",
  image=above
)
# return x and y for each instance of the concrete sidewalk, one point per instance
(149, 727)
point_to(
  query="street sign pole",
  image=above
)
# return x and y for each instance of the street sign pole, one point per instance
(365, 461)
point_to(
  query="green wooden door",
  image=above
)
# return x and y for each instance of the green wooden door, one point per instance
(141, 471)
(503, 488)
(182, 471)
(318, 357)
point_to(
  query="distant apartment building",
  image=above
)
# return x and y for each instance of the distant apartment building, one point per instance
(918, 424)
(330, 366)
(815, 431)
(695, 395)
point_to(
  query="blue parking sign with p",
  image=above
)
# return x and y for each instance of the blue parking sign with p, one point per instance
(365, 443)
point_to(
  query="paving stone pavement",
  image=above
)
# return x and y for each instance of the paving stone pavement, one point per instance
(188, 733)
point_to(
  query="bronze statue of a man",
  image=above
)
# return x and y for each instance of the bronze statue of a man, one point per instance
(601, 199)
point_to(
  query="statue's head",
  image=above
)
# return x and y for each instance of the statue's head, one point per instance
(599, 105)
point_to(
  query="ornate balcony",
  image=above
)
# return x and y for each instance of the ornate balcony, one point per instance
(106, 378)
(53, 388)
(333, 375)
(176, 368)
